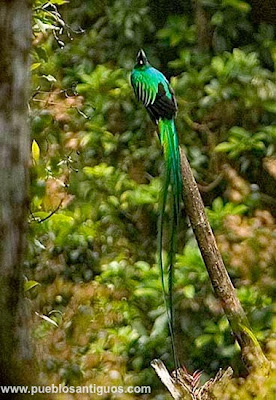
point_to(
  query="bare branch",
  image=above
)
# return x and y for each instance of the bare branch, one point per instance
(251, 351)
(39, 220)
(184, 386)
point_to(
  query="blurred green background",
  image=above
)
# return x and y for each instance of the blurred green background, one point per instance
(91, 274)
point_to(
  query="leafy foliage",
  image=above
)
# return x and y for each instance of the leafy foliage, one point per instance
(96, 177)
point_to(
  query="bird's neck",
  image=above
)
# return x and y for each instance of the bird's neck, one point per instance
(142, 67)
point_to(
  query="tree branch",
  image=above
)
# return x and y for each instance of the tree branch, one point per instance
(183, 386)
(251, 351)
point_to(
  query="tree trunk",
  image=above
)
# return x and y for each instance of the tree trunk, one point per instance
(203, 27)
(15, 41)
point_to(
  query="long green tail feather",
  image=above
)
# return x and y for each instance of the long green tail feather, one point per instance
(169, 141)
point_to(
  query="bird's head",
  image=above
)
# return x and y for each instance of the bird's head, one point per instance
(141, 58)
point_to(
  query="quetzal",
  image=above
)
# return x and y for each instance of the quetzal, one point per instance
(153, 89)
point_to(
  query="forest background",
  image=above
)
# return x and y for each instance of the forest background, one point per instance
(92, 279)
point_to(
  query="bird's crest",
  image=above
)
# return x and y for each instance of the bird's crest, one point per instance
(141, 58)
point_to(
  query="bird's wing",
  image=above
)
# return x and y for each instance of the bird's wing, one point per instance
(154, 91)
(163, 106)
(144, 87)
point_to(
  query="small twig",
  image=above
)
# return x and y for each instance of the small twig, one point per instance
(39, 220)
(210, 186)
(82, 113)
(48, 103)
(196, 126)
(52, 103)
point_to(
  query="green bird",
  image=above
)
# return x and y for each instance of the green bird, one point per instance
(153, 89)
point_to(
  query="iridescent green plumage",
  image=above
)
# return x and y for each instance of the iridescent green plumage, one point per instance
(153, 89)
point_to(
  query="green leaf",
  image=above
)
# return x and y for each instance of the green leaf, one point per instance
(145, 292)
(203, 340)
(239, 209)
(59, 2)
(160, 326)
(224, 147)
(218, 65)
(217, 204)
(28, 285)
(270, 106)
(238, 4)
(223, 324)
(239, 132)
(35, 66)
(35, 151)
(189, 291)
(99, 171)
